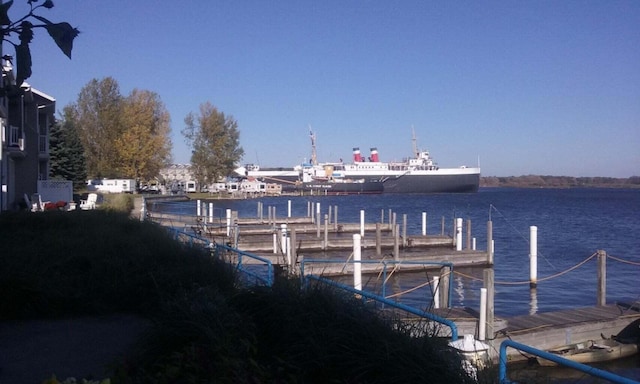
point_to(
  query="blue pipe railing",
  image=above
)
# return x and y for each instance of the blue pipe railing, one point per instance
(556, 359)
(385, 263)
(193, 238)
(268, 280)
(369, 295)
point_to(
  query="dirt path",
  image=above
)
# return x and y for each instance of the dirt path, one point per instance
(32, 351)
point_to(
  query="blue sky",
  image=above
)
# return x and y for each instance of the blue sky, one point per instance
(539, 87)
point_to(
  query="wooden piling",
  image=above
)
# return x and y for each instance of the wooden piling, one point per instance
(468, 234)
(294, 247)
(602, 277)
(445, 281)
(488, 279)
(378, 239)
(404, 230)
(325, 243)
(490, 242)
(396, 244)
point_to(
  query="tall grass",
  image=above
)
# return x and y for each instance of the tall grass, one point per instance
(206, 328)
(90, 262)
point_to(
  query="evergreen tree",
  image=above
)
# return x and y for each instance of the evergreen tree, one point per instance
(67, 159)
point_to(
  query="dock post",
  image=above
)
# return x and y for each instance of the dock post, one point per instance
(294, 251)
(362, 222)
(330, 213)
(318, 218)
(482, 321)
(312, 215)
(357, 266)
(458, 234)
(378, 239)
(468, 234)
(198, 208)
(442, 229)
(275, 222)
(275, 240)
(395, 228)
(435, 290)
(228, 222)
(308, 209)
(533, 256)
(445, 282)
(210, 213)
(335, 218)
(488, 277)
(424, 223)
(382, 215)
(288, 208)
(396, 243)
(283, 243)
(404, 230)
(143, 209)
(602, 277)
(390, 223)
(490, 242)
(473, 244)
(326, 232)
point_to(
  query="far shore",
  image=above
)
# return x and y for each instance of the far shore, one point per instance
(538, 181)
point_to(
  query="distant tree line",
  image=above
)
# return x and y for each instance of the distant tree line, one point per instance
(538, 181)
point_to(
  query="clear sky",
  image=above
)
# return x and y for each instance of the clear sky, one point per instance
(525, 87)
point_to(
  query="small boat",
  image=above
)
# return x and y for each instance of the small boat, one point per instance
(592, 351)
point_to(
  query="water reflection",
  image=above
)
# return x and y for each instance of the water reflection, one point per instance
(533, 301)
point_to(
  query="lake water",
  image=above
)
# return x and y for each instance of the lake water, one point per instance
(572, 225)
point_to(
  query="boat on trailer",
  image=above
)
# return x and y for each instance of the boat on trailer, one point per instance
(592, 351)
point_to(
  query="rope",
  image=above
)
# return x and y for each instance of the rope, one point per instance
(623, 261)
(527, 282)
(491, 206)
(409, 290)
(549, 277)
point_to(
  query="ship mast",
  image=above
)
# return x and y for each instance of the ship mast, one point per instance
(414, 141)
(314, 159)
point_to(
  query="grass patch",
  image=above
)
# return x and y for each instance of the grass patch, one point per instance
(206, 327)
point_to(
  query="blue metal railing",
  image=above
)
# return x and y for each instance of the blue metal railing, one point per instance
(556, 359)
(193, 239)
(385, 264)
(267, 278)
(369, 295)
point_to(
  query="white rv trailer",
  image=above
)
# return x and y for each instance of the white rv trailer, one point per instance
(112, 185)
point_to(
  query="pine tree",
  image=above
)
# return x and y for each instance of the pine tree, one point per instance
(67, 159)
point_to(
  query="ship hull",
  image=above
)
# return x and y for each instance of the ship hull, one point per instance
(464, 183)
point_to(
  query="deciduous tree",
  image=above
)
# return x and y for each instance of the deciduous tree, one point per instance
(215, 142)
(144, 147)
(97, 115)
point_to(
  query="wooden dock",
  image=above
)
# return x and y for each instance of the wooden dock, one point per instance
(547, 330)
(380, 243)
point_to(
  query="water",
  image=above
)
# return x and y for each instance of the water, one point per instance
(572, 225)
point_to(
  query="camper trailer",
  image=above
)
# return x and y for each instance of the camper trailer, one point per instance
(112, 185)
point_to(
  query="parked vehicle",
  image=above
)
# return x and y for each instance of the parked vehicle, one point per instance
(112, 185)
